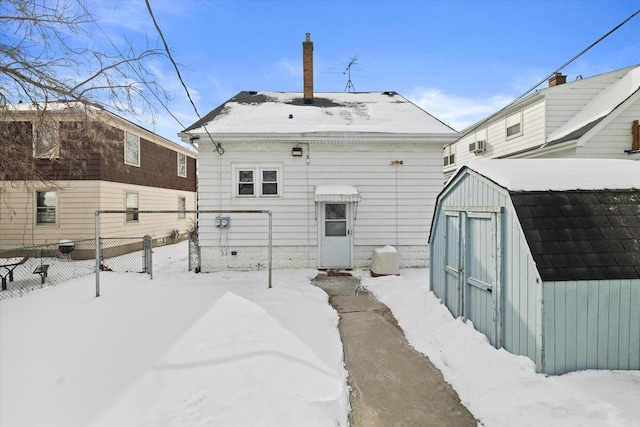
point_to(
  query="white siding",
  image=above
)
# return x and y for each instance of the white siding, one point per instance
(614, 138)
(533, 134)
(541, 117)
(77, 203)
(395, 209)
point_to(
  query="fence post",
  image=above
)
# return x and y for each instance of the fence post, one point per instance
(98, 255)
(190, 251)
(148, 257)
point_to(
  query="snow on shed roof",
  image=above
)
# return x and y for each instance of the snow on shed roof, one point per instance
(286, 112)
(560, 174)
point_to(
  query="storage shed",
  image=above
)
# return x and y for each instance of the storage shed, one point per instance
(543, 256)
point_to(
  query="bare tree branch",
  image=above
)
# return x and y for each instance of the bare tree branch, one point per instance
(47, 54)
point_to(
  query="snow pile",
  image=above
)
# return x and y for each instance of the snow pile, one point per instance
(500, 388)
(190, 349)
(560, 174)
(182, 349)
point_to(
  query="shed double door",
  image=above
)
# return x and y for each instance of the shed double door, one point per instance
(472, 274)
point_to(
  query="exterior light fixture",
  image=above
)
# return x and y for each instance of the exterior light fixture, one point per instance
(296, 151)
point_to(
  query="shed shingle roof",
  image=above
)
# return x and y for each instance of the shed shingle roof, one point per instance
(582, 235)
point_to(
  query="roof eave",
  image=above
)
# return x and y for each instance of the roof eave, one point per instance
(322, 137)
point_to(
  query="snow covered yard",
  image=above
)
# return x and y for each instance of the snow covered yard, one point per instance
(190, 349)
(182, 349)
(500, 388)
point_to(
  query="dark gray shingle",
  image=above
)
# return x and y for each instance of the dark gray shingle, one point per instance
(582, 235)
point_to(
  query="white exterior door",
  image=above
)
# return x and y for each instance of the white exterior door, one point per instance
(335, 235)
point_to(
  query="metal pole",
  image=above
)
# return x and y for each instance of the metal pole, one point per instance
(97, 221)
(270, 249)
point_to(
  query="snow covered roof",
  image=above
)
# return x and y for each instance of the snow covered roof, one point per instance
(286, 112)
(612, 97)
(93, 109)
(560, 174)
(600, 106)
(336, 193)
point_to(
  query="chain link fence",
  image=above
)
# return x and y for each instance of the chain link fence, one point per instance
(34, 267)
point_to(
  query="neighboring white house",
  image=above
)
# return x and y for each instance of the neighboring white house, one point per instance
(342, 173)
(595, 117)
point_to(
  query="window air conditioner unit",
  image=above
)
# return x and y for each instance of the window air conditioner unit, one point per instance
(478, 147)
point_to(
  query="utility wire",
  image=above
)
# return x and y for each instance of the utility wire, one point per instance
(551, 75)
(579, 54)
(219, 148)
(153, 92)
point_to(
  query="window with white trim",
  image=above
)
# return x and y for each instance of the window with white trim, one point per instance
(46, 207)
(182, 207)
(257, 181)
(182, 165)
(131, 149)
(513, 125)
(450, 155)
(132, 205)
(481, 135)
(46, 139)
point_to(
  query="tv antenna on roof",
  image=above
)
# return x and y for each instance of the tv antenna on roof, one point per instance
(350, 87)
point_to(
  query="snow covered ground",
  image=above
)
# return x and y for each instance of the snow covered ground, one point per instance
(189, 349)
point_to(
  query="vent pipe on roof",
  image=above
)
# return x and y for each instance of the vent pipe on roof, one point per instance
(557, 79)
(307, 69)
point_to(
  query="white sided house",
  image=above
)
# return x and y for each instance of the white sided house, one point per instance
(342, 174)
(595, 117)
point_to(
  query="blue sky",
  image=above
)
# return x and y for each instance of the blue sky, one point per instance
(459, 60)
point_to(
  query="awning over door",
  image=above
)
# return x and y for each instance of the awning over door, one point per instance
(337, 193)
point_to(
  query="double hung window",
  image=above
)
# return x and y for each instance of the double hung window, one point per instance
(514, 125)
(182, 165)
(46, 139)
(132, 206)
(132, 149)
(46, 207)
(182, 207)
(258, 181)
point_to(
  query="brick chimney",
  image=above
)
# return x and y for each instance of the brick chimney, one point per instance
(557, 79)
(307, 69)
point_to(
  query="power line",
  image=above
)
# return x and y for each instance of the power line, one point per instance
(142, 80)
(219, 148)
(557, 70)
(579, 54)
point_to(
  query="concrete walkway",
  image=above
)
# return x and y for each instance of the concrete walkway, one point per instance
(391, 384)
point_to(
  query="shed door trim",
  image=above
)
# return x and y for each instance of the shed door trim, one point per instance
(492, 213)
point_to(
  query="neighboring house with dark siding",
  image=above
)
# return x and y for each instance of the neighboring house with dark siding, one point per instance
(116, 165)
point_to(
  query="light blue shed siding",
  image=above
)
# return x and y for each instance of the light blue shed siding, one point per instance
(518, 307)
(591, 324)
